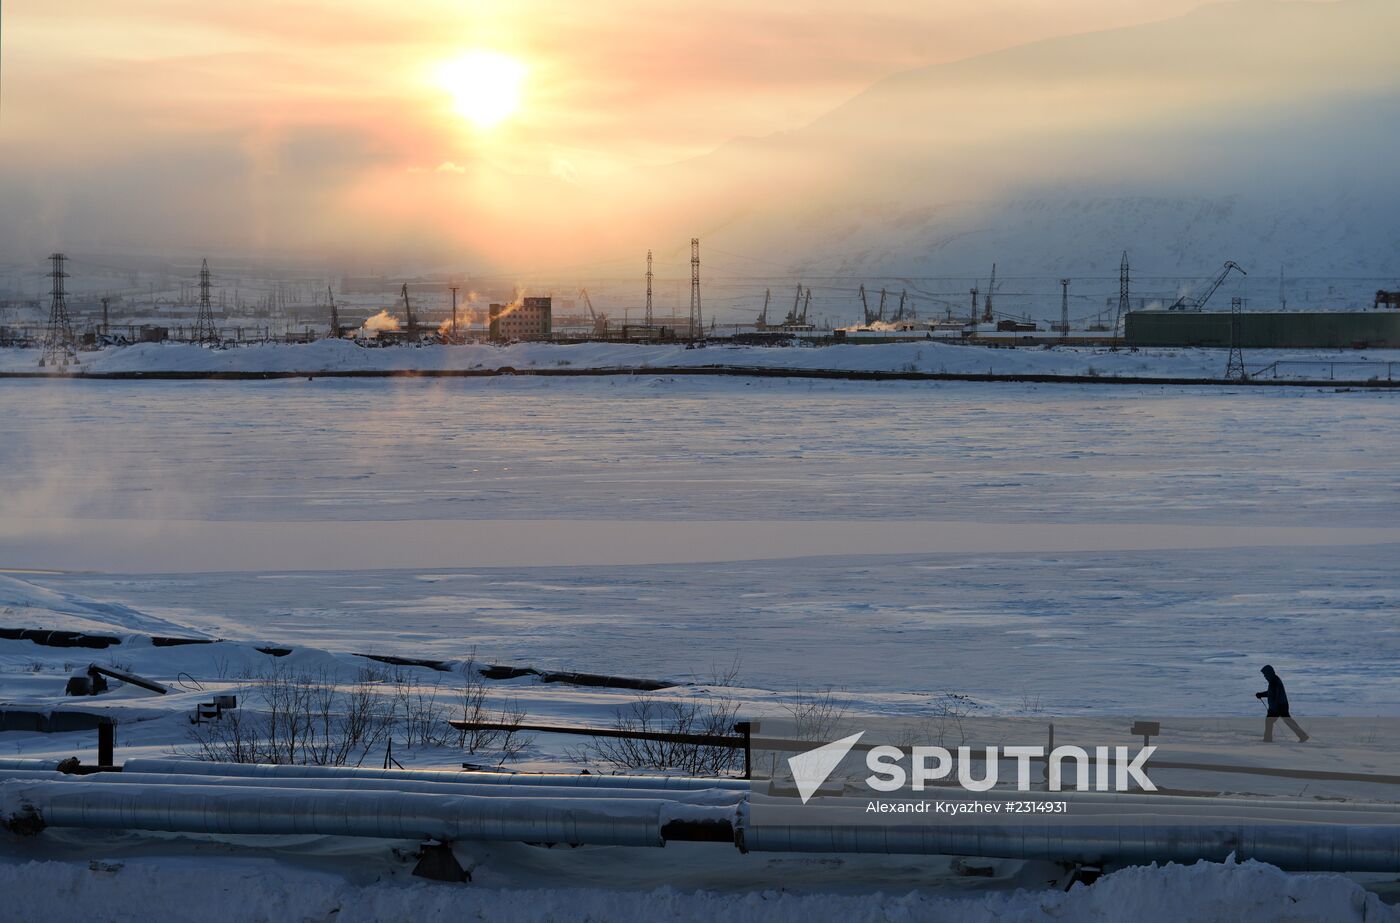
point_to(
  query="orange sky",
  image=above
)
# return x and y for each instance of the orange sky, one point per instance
(306, 118)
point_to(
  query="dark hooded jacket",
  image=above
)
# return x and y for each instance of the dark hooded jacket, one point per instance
(1275, 696)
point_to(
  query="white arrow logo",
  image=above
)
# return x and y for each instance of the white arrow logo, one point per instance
(810, 769)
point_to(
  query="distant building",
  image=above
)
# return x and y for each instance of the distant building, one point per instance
(1266, 329)
(532, 319)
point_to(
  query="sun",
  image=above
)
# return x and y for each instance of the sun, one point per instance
(485, 86)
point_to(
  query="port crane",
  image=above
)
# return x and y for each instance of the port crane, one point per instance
(1187, 303)
(796, 318)
(865, 308)
(987, 316)
(763, 318)
(600, 321)
(409, 323)
(792, 315)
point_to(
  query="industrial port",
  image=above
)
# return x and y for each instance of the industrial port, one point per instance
(240, 307)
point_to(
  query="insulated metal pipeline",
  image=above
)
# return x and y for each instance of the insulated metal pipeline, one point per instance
(1119, 801)
(1291, 838)
(10, 762)
(213, 809)
(1302, 845)
(703, 797)
(1083, 803)
(665, 783)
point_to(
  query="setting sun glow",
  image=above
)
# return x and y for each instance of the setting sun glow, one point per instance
(485, 86)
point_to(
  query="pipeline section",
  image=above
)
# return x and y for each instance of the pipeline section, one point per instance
(178, 796)
(572, 780)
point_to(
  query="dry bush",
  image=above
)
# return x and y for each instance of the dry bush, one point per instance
(817, 715)
(507, 741)
(714, 716)
(288, 717)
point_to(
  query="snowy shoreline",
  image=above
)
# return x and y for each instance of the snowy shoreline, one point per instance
(896, 361)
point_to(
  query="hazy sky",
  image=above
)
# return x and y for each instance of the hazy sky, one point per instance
(261, 124)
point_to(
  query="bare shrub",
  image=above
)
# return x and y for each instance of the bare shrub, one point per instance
(724, 675)
(713, 716)
(945, 726)
(505, 739)
(419, 718)
(816, 715)
(297, 718)
(292, 717)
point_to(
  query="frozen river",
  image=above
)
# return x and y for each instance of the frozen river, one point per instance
(665, 449)
(1078, 547)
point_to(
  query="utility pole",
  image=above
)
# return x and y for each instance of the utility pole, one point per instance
(205, 332)
(454, 313)
(991, 288)
(59, 348)
(649, 277)
(1122, 299)
(1064, 309)
(1234, 368)
(696, 320)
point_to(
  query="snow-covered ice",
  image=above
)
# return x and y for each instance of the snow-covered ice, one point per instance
(920, 356)
(1038, 549)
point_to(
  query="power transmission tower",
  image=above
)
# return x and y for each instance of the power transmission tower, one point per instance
(987, 303)
(1122, 298)
(204, 330)
(649, 318)
(1064, 309)
(335, 315)
(59, 347)
(696, 321)
(105, 301)
(973, 319)
(1234, 368)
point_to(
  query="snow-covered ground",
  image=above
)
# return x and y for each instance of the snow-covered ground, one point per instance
(201, 887)
(1040, 550)
(930, 356)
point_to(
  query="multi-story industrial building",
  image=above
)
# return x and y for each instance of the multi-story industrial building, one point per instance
(531, 319)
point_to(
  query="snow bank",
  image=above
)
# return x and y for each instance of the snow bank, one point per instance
(930, 356)
(252, 890)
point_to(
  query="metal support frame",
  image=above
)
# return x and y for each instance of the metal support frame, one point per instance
(1234, 367)
(697, 322)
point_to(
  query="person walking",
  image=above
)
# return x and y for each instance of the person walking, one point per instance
(1276, 698)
